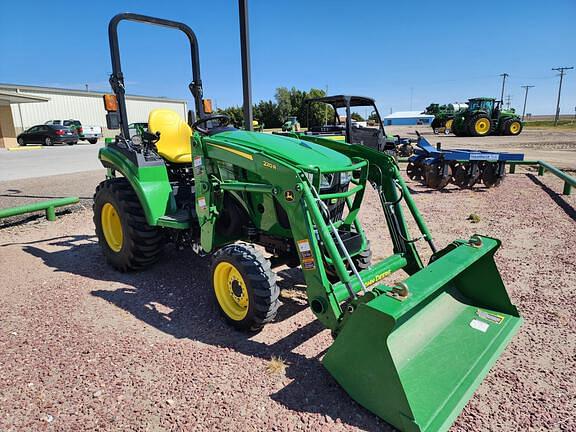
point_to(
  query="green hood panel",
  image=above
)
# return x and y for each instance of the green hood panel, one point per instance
(291, 150)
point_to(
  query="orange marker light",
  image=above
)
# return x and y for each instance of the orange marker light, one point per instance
(207, 103)
(110, 102)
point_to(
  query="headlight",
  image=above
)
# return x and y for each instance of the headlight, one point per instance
(326, 180)
(345, 177)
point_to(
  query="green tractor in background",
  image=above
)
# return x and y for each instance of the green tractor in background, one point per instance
(485, 116)
(443, 116)
(411, 351)
(291, 125)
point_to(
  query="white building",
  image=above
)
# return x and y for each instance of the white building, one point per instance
(24, 106)
(407, 118)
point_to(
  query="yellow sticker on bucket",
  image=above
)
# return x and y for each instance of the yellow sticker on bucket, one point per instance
(495, 318)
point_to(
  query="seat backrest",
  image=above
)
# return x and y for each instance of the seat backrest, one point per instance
(175, 135)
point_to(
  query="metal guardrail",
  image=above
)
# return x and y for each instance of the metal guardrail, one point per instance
(543, 166)
(48, 206)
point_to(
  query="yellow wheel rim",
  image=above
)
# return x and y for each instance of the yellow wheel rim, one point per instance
(514, 127)
(482, 126)
(112, 227)
(231, 291)
(448, 124)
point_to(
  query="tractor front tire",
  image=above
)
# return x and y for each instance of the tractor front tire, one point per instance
(245, 287)
(364, 259)
(512, 127)
(479, 125)
(126, 239)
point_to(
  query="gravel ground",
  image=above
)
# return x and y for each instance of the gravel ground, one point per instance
(83, 347)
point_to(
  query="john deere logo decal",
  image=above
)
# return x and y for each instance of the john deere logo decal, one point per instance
(289, 195)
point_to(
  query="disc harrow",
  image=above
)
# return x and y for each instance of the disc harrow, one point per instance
(436, 168)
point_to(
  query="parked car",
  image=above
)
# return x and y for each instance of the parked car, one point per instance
(47, 135)
(74, 125)
(91, 134)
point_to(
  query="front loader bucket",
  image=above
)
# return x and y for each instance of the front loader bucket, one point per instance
(415, 363)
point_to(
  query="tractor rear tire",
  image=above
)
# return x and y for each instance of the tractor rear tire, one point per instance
(479, 125)
(245, 287)
(512, 127)
(126, 239)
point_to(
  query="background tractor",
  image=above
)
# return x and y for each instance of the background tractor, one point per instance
(412, 351)
(485, 116)
(443, 116)
(291, 125)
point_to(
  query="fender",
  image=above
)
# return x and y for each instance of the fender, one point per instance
(149, 181)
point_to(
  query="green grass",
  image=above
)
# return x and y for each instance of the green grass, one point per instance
(550, 123)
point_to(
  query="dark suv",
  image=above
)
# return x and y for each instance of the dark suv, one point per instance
(48, 135)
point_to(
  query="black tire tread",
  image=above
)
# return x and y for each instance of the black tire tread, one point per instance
(143, 243)
(261, 282)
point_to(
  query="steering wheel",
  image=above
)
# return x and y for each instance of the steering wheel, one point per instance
(222, 119)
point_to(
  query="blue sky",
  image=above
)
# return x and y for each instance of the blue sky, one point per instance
(404, 54)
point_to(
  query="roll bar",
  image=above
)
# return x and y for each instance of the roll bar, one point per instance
(117, 78)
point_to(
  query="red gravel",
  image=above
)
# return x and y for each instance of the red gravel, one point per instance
(84, 347)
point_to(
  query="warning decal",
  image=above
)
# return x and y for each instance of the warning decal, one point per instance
(497, 319)
(304, 249)
(308, 264)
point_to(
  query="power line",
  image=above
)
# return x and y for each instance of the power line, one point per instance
(562, 73)
(504, 76)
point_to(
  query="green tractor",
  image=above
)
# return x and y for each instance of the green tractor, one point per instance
(443, 116)
(485, 116)
(291, 125)
(411, 351)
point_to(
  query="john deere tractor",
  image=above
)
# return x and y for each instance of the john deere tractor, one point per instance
(485, 116)
(411, 351)
(291, 125)
(443, 116)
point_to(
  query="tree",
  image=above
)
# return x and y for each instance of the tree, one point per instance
(235, 113)
(357, 117)
(267, 113)
(284, 103)
(288, 103)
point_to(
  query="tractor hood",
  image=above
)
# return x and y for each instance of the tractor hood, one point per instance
(291, 150)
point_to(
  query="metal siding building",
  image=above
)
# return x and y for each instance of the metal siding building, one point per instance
(407, 118)
(36, 105)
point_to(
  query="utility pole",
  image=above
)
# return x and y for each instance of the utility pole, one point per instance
(504, 76)
(325, 109)
(526, 88)
(245, 52)
(562, 73)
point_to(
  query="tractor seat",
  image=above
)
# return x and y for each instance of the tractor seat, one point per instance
(175, 143)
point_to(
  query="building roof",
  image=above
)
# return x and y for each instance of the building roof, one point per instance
(408, 114)
(10, 97)
(76, 92)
